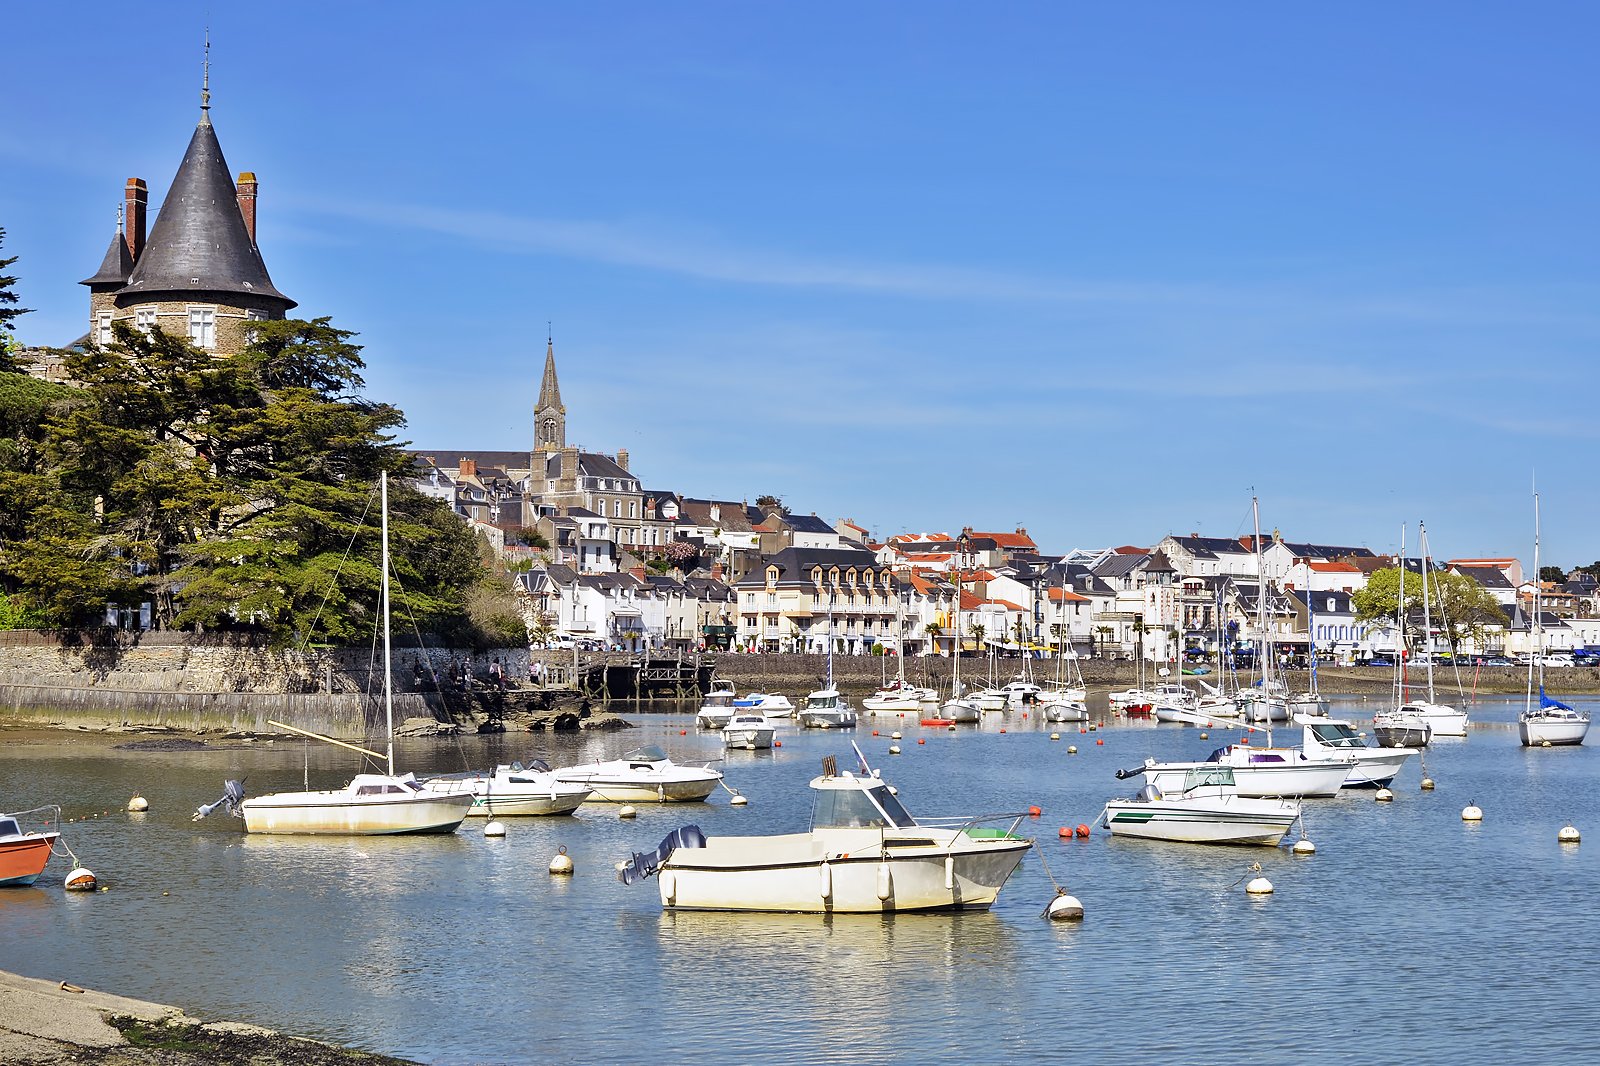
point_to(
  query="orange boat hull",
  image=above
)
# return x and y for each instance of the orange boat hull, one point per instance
(22, 861)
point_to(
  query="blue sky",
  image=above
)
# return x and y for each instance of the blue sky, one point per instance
(1102, 271)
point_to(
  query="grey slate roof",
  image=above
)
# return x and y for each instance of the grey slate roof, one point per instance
(1326, 551)
(807, 523)
(1490, 577)
(200, 233)
(115, 267)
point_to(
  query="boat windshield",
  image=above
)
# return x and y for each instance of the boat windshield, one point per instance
(1337, 735)
(718, 699)
(9, 828)
(849, 808)
(822, 703)
(1205, 776)
(648, 753)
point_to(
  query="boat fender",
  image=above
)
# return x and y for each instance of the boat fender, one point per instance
(885, 882)
(949, 872)
(825, 879)
(669, 887)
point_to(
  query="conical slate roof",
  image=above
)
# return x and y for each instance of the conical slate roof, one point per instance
(199, 242)
(116, 266)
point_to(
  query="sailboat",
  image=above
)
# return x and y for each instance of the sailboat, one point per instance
(1269, 700)
(1551, 722)
(958, 708)
(1400, 727)
(371, 804)
(898, 697)
(1309, 706)
(1215, 702)
(1442, 720)
(826, 708)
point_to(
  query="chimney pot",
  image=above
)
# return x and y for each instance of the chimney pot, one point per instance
(246, 193)
(622, 458)
(136, 201)
(469, 468)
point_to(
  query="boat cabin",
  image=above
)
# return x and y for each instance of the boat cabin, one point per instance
(644, 758)
(382, 784)
(851, 802)
(825, 700)
(1333, 735)
(9, 828)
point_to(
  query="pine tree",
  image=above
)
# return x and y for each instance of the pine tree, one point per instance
(9, 310)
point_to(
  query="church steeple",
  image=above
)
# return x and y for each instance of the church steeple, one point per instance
(549, 414)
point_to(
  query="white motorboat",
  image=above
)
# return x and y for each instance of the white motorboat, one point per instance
(826, 709)
(1441, 720)
(1259, 772)
(990, 700)
(1551, 722)
(895, 698)
(717, 706)
(771, 704)
(864, 853)
(371, 804)
(1021, 693)
(644, 775)
(1215, 705)
(1330, 738)
(512, 790)
(749, 730)
(1258, 705)
(1207, 809)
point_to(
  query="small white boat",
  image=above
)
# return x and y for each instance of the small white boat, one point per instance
(1552, 722)
(644, 775)
(717, 706)
(960, 709)
(1057, 708)
(1021, 693)
(512, 790)
(749, 730)
(771, 704)
(1207, 809)
(1441, 719)
(893, 700)
(1258, 706)
(990, 700)
(1258, 772)
(1373, 767)
(864, 853)
(826, 709)
(370, 805)
(1400, 728)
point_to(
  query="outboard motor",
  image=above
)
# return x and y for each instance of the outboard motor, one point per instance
(644, 864)
(232, 796)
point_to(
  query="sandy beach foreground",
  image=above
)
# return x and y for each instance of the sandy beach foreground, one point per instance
(57, 1022)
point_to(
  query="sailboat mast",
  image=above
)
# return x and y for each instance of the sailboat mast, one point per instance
(388, 683)
(1261, 619)
(1536, 661)
(1427, 616)
(1400, 624)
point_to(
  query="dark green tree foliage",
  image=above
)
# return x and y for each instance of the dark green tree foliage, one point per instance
(1552, 573)
(8, 309)
(231, 492)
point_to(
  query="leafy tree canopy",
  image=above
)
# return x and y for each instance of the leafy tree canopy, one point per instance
(228, 493)
(1552, 573)
(1458, 606)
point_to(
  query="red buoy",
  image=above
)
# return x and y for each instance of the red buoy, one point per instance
(922, 740)
(1002, 730)
(777, 743)
(1100, 742)
(1034, 812)
(1083, 831)
(1065, 832)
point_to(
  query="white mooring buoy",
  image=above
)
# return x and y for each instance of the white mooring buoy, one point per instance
(1258, 886)
(1383, 795)
(494, 828)
(561, 865)
(1055, 736)
(1472, 813)
(894, 749)
(138, 803)
(627, 811)
(1205, 736)
(1072, 749)
(1427, 784)
(1304, 847)
(80, 879)
(1568, 835)
(738, 801)
(1064, 908)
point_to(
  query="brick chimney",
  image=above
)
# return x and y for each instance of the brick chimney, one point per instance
(569, 470)
(136, 202)
(469, 468)
(716, 571)
(246, 192)
(622, 458)
(639, 572)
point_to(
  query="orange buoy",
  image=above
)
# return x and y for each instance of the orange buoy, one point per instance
(1024, 714)
(874, 732)
(922, 740)
(1035, 811)
(1083, 830)
(1065, 832)
(1100, 742)
(777, 743)
(1245, 741)
(683, 732)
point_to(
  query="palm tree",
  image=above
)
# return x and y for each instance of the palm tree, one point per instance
(977, 634)
(934, 629)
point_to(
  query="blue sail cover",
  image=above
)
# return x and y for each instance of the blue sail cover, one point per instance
(1546, 702)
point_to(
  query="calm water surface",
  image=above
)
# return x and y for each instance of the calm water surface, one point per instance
(1408, 936)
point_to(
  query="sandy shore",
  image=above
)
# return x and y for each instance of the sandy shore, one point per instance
(55, 1022)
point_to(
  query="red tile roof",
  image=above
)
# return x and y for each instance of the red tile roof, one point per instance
(1060, 595)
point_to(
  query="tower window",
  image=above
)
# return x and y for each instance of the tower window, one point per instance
(203, 327)
(102, 328)
(144, 319)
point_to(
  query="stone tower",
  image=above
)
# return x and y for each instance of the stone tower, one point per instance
(200, 274)
(549, 414)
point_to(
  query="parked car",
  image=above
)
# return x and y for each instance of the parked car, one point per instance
(1557, 659)
(1494, 660)
(1379, 660)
